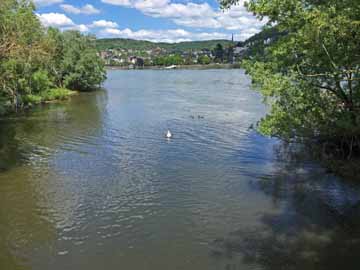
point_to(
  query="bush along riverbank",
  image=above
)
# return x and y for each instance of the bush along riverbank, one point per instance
(310, 76)
(49, 96)
(39, 65)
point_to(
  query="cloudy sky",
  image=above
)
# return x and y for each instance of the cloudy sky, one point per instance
(154, 20)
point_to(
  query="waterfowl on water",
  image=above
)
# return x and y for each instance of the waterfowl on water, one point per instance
(168, 134)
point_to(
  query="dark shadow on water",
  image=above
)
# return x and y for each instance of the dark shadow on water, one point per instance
(315, 225)
(9, 145)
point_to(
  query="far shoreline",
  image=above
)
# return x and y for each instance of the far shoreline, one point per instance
(190, 67)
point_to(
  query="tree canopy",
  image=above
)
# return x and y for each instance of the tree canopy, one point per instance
(218, 53)
(34, 59)
(168, 60)
(311, 75)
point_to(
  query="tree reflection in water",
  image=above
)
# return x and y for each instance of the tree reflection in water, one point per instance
(28, 142)
(317, 225)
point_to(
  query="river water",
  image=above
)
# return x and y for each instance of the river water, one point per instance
(93, 184)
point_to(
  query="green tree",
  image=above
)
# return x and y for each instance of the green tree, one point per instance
(34, 59)
(40, 81)
(56, 40)
(218, 53)
(81, 68)
(147, 62)
(159, 61)
(87, 74)
(174, 60)
(168, 60)
(23, 50)
(204, 60)
(311, 75)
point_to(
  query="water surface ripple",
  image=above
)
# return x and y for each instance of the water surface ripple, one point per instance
(93, 183)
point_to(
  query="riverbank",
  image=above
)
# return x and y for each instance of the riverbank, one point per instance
(194, 67)
(29, 101)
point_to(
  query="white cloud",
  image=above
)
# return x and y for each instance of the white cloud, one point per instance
(47, 2)
(80, 27)
(86, 9)
(172, 35)
(206, 22)
(165, 9)
(61, 21)
(104, 24)
(118, 2)
(55, 20)
(195, 15)
(190, 15)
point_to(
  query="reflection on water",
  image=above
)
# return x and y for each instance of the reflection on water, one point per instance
(316, 226)
(93, 184)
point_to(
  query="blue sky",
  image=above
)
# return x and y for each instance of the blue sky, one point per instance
(154, 20)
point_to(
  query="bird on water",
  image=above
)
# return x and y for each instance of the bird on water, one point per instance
(168, 134)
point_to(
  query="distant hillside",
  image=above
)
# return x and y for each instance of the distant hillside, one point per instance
(120, 43)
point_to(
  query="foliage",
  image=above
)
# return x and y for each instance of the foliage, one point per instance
(219, 53)
(204, 60)
(32, 99)
(47, 96)
(168, 60)
(82, 69)
(311, 75)
(57, 94)
(34, 59)
(40, 81)
(119, 43)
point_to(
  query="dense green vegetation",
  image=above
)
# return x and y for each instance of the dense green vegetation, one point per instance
(38, 64)
(204, 60)
(311, 75)
(168, 60)
(120, 43)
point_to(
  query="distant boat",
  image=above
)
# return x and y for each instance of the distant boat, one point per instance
(170, 67)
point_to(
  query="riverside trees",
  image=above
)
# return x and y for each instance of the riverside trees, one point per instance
(311, 75)
(34, 61)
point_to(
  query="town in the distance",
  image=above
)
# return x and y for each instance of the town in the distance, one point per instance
(131, 54)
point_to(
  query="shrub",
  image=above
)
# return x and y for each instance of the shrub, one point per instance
(40, 81)
(31, 99)
(57, 94)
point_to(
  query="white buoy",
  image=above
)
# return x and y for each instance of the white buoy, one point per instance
(168, 134)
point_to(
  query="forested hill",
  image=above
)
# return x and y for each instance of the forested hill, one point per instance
(120, 43)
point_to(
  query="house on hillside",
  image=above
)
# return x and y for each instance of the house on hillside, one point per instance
(136, 61)
(132, 60)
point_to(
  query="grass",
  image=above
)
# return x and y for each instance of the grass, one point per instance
(28, 101)
(32, 99)
(55, 94)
